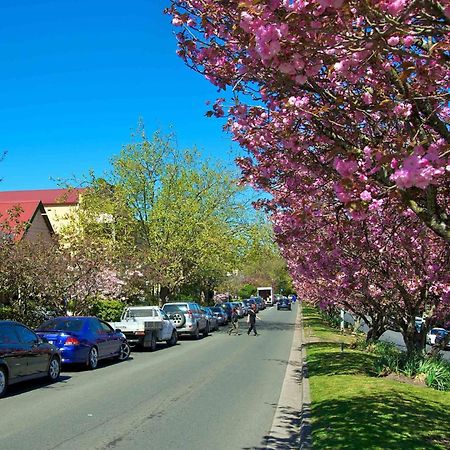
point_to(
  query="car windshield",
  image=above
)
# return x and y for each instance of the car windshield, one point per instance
(174, 308)
(216, 309)
(435, 331)
(62, 325)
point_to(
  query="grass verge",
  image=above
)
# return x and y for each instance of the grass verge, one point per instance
(353, 409)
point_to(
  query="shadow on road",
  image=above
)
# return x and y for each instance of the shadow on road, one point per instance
(27, 386)
(275, 326)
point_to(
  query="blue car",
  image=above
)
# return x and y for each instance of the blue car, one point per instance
(84, 340)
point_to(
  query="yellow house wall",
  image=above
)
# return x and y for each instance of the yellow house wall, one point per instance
(59, 215)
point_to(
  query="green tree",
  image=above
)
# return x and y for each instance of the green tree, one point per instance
(176, 217)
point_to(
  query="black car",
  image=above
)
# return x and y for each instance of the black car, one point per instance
(284, 303)
(24, 355)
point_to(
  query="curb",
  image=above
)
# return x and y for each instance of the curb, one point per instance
(305, 417)
(291, 424)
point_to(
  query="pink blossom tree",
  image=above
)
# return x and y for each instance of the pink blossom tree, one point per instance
(360, 88)
(343, 109)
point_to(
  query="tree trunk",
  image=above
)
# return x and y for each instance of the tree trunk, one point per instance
(414, 341)
(164, 294)
(377, 328)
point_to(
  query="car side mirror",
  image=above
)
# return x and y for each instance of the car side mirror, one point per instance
(118, 330)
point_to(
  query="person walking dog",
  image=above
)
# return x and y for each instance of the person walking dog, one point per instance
(251, 318)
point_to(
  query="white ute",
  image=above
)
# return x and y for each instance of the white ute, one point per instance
(145, 326)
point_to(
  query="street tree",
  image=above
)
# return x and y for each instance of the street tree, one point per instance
(178, 215)
(359, 88)
(343, 108)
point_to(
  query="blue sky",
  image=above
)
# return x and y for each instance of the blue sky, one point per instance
(75, 77)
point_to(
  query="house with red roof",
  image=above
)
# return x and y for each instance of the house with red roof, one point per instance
(25, 221)
(58, 204)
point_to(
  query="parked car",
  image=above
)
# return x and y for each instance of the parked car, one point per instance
(259, 303)
(24, 356)
(187, 318)
(84, 340)
(246, 305)
(212, 319)
(437, 335)
(145, 326)
(239, 309)
(220, 314)
(251, 302)
(284, 303)
(227, 308)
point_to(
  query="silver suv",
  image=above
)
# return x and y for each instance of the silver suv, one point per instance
(188, 318)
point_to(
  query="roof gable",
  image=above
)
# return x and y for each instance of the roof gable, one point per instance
(14, 216)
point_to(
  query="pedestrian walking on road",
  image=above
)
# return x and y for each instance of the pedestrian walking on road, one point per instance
(251, 319)
(234, 324)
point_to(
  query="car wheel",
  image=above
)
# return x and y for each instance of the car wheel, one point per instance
(196, 333)
(153, 343)
(124, 352)
(3, 381)
(206, 330)
(173, 339)
(54, 369)
(92, 358)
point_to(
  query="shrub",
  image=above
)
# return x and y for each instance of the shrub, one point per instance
(434, 371)
(247, 291)
(331, 316)
(109, 310)
(6, 312)
(388, 360)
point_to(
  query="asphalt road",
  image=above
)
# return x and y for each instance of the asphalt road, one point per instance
(217, 393)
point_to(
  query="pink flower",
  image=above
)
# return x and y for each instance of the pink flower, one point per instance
(287, 68)
(345, 168)
(367, 98)
(177, 21)
(416, 171)
(403, 110)
(365, 196)
(396, 6)
(393, 41)
(408, 40)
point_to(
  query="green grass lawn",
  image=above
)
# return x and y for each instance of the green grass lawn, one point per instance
(353, 409)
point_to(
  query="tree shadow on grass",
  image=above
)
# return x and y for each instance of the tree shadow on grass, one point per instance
(328, 359)
(380, 421)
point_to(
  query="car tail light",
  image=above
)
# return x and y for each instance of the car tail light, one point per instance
(190, 314)
(139, 333)
(72, 341)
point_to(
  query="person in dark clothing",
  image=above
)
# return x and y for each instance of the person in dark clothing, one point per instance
(234, 324)
(252, 316)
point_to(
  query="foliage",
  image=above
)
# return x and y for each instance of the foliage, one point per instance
(348, 132)
(6, 312)
(434, 370)
(169, 218)
(261, 263)
(109, 310)
(247, 291)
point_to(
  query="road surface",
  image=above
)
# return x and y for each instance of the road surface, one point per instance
(217, 393)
